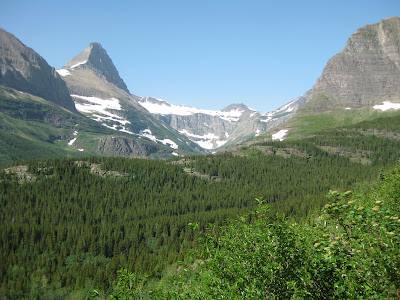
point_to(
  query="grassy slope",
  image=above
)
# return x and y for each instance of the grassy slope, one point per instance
(31, 127)
(305, 124)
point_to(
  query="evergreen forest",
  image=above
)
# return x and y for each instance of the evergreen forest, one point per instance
(71, 226)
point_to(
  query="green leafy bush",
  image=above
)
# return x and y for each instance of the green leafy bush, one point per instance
(349, 251)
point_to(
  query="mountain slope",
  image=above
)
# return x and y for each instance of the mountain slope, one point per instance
(360, 83)
(38, 117)
(23, 69)
(32, 127)
(213, 129)
(100, 93)
(365, 73)
(133, 213)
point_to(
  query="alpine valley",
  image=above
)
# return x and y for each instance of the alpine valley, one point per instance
(89, 88)
(83, 215)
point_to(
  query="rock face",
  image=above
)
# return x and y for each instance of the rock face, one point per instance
(101, 94)
(366, 72)
(119, 146)
(23, 69)
(95, 58)
(215, 129)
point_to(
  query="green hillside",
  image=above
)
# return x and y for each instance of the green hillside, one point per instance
(307, 123)
(31, 127)
(69, 224)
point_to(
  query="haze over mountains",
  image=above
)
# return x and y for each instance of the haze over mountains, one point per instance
(364, 74)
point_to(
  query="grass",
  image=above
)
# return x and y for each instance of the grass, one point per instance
(308, 124)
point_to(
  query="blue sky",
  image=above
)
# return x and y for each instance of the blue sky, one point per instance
(207, 53)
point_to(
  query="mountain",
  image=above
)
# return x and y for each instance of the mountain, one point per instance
(358, 84)
(365, 73)
(23, 69)
(215, 129)
(95, 58)
(100, 93)
(38, 117)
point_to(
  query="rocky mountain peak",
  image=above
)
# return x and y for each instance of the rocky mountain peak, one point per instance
(366, 72)
(95, 58)
(236, 106)
(23, 69)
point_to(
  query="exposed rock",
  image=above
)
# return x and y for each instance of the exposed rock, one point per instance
(120, 146)
(23, 69)
(95, 58)
(366, 72)
(217, 129)
(95, 84)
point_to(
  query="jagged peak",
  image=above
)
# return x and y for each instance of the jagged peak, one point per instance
(95, 57)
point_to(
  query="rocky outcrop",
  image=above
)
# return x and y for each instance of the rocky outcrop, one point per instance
(120, 146)
(366, 72)
(23, 69)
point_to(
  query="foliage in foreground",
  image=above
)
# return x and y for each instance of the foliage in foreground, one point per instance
(350, 251)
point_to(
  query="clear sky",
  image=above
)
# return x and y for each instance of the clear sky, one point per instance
(203, 53)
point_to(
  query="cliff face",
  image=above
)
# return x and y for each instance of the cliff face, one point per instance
(213, 129)
(101, 94)
(23, 69)
(95, 58)
(366, 72)
(121, 146)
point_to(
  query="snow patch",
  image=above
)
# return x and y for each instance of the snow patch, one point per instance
(71, 142)
(387, 105)
(80, 149)
(266, 120)
(166, 108)
(78, 64)
(221, 143)
(172, 144)
(112, 103)
(258, 131)
(279, 135)
(63, 72)
(148, 134)
(175, 154)
(207, 141)
(98, 108)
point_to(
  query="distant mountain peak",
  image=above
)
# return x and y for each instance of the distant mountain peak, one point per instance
(95, 57)
(236, 106)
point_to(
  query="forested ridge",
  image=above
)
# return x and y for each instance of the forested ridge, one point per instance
(66, 228)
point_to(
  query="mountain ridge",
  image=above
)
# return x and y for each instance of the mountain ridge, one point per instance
(100, 94)
(215, 129)
(366, 72)
(25, 70)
